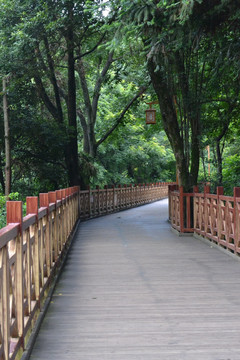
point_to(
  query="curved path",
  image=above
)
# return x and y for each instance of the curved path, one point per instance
(133, 290)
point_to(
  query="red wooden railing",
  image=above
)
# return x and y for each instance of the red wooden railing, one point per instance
(180, 209)
(213, 216)
(32, 249)
(96, 202)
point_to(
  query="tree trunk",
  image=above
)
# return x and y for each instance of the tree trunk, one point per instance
(170, 122)
(219, 163)
(71, 148)
(191, 115)
(195, 151)
(7, 140)
(2, 181)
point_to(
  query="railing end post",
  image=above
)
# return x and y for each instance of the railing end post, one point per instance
(236, 192)
(43, 200)
(196, 189)
(14, 212)
(206, 189)
(32, 205)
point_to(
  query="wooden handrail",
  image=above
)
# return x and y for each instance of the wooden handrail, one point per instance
(32, 248)
(96, 202)
(215, 217)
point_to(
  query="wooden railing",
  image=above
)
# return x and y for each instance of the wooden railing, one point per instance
(31, 249)
(181, 209)
(96, 202)
(214, 216)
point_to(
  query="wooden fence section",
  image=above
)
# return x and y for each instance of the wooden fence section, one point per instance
(213, 216)
(104, 201)
(31, 249)
(181, 209)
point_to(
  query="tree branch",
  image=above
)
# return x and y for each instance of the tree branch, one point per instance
(85, 130)
(216, 100)
(120, 118)
(92, 50)
(44, 96)
(53, 79)
(98, 85)
(86, 96)
(30, 154)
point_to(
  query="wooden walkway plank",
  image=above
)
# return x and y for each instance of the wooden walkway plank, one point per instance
(132, 290)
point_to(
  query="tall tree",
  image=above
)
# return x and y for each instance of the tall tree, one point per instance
(7, 139)
(53, 41)
(179, 58)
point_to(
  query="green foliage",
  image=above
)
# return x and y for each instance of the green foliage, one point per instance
(204, 35)
(231, 173)
(135, 153)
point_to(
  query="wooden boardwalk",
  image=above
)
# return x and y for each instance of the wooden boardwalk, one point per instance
(133, 290)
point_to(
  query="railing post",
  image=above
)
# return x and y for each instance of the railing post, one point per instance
(206, 191)
(70, 209)
(106, 194)
(125, 195)
(32, 205)
(59, 211)
(236, 194)
(195, 191)
(98, 198)
(44, 202)
(170, 189)
(67, 209)
(135, 194)
(5, 308)
(131, 195)
(79, 189)
(120, 196)
(181, 209)
(53, 200)
(64, 214)
(113, 187)
(220, 191)
(32, 208)
(89, 201)
(139, 194)
(14, 215)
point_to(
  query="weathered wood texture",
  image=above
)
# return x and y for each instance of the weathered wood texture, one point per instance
(31, 249)
(213, 216)
(98, 202)
(180, 209)
(131, 289)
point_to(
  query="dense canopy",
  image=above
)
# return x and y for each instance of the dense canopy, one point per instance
(77, 77)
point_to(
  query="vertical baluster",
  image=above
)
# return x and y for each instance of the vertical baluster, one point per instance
(5, 293)
(220, 191)
(32, 208)
(236, 218)
(206, 212)
(14, 215)
(47, 236)
(195, 208)
(181, 208)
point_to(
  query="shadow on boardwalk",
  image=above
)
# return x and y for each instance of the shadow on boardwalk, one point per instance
(133, 290)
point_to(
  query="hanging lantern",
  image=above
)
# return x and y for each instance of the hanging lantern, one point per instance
(150, 116)
(151, 113)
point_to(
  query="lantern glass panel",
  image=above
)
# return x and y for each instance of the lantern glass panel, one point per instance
(151, 116)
